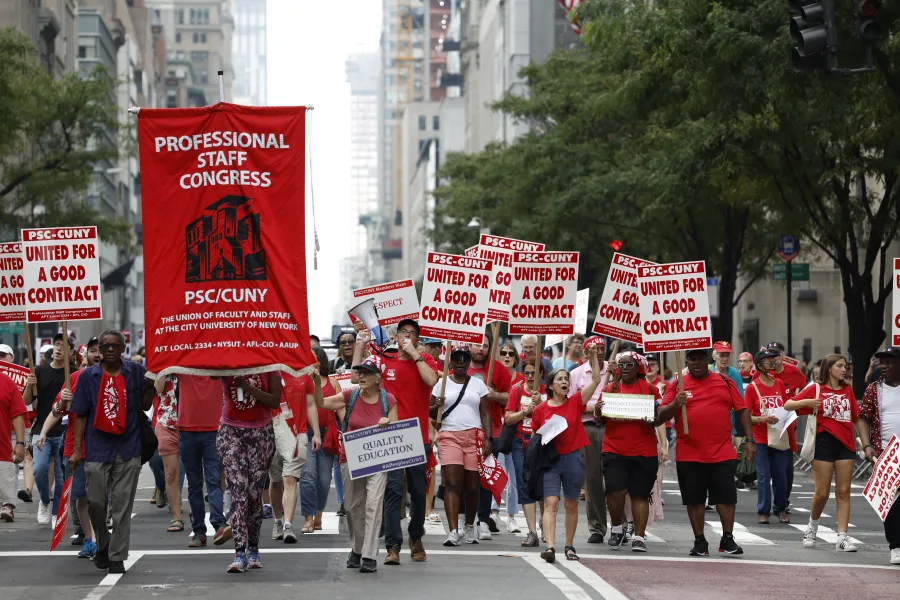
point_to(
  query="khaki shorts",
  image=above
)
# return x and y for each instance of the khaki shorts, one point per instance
(284, 463)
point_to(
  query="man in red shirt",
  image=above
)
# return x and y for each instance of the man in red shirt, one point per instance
(794, 381)
(12, 422)
(705, 458)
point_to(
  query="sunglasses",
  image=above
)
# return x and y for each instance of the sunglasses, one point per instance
(111, 346)
(507, 353)
(347, 343)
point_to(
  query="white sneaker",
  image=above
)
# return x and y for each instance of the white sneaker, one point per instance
(53, 522)
(484, 532)
(461, 522)
(454, 538)
(511, 525)
(843, 544)
(809, 538)
(43, 515)
(895, 556)
(471, 536)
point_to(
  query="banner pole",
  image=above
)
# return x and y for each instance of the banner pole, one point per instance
(684, 420)
(221, 86)
(30, 349)
(495, 351)
(538, 354)
(609, 371)
(440, 414)
(66, 350)
(564, 352)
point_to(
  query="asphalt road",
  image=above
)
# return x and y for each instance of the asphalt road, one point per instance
(774, 564)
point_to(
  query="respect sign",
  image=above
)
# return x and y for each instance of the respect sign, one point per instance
(455, 297)
(501, 251)
(618, 315)
(377, 450)
(882, 488)
(394, 301)
(61, 271)
(12, 283)
(544, 290)
(674, 306)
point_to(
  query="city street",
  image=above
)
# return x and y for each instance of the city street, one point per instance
(773, 565)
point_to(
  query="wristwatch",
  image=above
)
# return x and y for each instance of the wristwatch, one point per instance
(868, 446)
(420, 359)
(20, 443)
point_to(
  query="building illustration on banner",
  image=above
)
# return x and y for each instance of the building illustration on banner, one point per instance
(225, 243)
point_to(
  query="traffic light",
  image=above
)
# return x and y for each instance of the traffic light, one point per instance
(870, 29)
(812, 30)
(616, 245)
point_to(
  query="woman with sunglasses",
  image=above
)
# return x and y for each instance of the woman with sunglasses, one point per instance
(631, 452)
(466, 417)
(567, 475)
(524, 397)
(344, 359)
(509, 358)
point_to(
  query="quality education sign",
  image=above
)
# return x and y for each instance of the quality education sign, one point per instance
(674, 307)
(381, 449)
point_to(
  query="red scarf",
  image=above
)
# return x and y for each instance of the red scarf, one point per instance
(111, 403)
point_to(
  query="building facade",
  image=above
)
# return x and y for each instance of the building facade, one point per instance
(250, 70)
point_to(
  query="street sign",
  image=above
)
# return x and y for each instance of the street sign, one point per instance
(712, 288)
(788, 247)
(12, 328)
(799, 272)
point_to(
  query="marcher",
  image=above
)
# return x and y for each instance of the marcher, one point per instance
(112, 444)
(529, 349)
(166, 429)
(315, 476)
(509, 358)
(745, 367)
(566, 476)
(344, 360)
(574, 353)
(245, 443)
(595, 492)
(832, 401)
(24, 494)
(366, 406)
(706, 463)
(763, 396)
(794, 381)
(12, 425)
(879, 421)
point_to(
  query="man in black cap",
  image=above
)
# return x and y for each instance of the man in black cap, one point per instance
(794, 380)
(706, 458)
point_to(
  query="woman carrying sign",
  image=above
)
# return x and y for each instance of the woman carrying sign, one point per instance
(366, 406)
(567, 475)
(631, 452)
(832, 402)
(465, 419)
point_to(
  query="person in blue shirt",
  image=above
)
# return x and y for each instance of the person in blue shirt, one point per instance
(574, 353)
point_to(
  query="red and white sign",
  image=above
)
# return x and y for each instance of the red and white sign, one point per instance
(62, 515)
(501, 251)
(619, 314)
(544, 291)
(790, 361)
(472, 252)
(12, 283)
(674, 307)
(394, 301)
(581, 314)
(61, 268)
(455, 297)
(895, 327)
(224, 250)
(345, 381)
(882, 488)
(17, 373)
(493, 477)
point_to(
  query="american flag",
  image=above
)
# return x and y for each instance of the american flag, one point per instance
(574, 20)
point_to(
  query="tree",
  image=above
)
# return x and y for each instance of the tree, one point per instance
(52, 133)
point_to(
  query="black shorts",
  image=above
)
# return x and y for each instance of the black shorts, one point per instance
(830, 449)
(703, 483)
(637, 474)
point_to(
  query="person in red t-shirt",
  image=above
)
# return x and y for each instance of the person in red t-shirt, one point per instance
(764, 395)
(832, 401)
(12, 424)
(567, 474)
(630, 452)
(794, 380)
(705, 458)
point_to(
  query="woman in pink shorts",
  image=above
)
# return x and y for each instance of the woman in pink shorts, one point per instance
(465, 418)
(166, 402)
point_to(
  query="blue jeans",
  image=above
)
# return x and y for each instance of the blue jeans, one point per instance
(518, 456)
(200, 462)
(315, 479)
(52, 449)
(338, 482)
(512, 491)
(393, 495)
(771, 472)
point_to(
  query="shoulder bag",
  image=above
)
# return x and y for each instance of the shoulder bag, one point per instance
(808, 451)
(462, 393)
(508, 433)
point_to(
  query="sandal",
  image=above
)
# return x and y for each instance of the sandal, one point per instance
(176, 526)
(784, 518)
(571, 554)
(549, 555)
(763, 519)
(434, 518)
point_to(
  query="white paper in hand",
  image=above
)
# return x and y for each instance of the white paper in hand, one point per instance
(552, 428)
(785, 418)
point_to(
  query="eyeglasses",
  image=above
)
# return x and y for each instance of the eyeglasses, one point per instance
(528, 374)
(407, 331)
(510, 353)
(627, 365)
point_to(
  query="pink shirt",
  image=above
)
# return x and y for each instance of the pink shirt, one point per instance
(578, 380)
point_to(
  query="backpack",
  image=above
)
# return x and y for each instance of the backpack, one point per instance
(354, 396)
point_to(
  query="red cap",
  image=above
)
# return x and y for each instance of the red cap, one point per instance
(722, 347)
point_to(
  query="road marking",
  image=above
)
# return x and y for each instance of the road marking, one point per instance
(805, 510)
(741, 535)
(600, 585)
(569, 588)
(109, 581)
(649, 537)
(809, 495)
(826, 533)
(435, 528)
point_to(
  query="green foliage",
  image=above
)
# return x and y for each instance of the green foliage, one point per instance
(52, 133)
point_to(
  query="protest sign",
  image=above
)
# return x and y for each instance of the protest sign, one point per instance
(12, 283)
(377, 450)
(674, 307)
(455, 297)
(618, 315)
(581, 315)
(17, 373)
(895, 328)
(882, 488)
(394, 301)
(493, 477)
(229, 181)
(544, 290)
(471, 252)
(62, 515)
(61, 271)
(628, 406)
(500, 250)
(345, 381)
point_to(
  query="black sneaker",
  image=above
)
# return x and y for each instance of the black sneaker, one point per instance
(116, 567)
(616, 540)
(101, 559)
(638, 546)
(729, 546)
(341, 512)
(701, 548)
(78, 538)
(710, 508)
(492, 525)
(354, 560)
(368, 566)
(25, 496)
(595, 538)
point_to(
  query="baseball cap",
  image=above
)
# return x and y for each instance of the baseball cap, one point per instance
(462, 351)
(431, 341)
(5, 349)
(695, 350)
(889, 352)
(414, 324)
(368, 367)
(777, 346)
(652, 357)
(721, 347)
(46, 348)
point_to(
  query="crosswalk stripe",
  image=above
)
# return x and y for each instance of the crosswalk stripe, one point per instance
(653, 539)
(826, 533)
(741, 535)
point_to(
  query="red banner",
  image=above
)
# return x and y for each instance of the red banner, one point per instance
(493, 477)
(17, 373)
(62, 515)
(224, 244)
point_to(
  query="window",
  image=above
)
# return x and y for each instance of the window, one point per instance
(204, 76)
(193, 17)
(199, 56)
(435, 123)
(423, 123)
(177, 37)
(202, 38)
(196, 37)
(179, 16)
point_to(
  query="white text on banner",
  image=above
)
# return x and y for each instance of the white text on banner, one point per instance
(618, 315)
(500, 250)
(544, 290)
(394, 301)
(455, 297)
(12, 283)
(674, 307)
